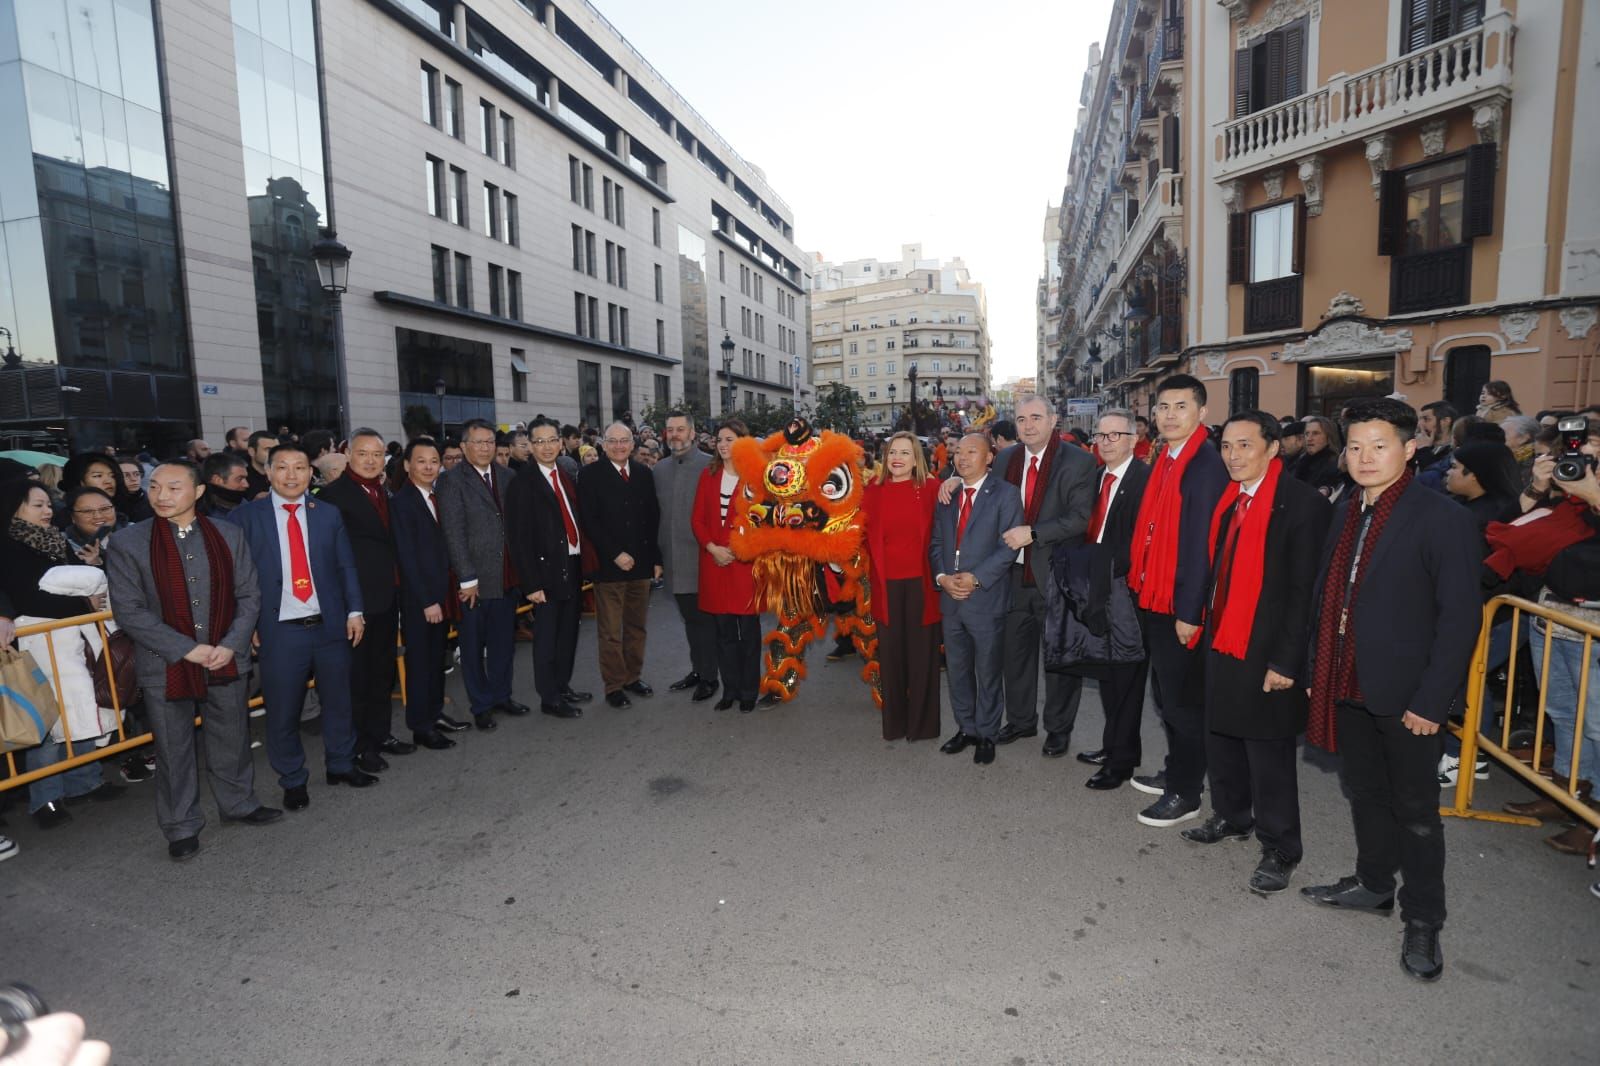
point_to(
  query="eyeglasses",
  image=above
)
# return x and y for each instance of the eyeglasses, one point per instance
(537, 441)
(1109, 438)
(618, 440)
(107, 509)
(478, 441)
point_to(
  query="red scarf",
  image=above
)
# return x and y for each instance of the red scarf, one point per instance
(1154, 554)
(1030, 508)
(376, 492)
(1334, 677)
(1231, 625)
(1529, 543)
(187, 680)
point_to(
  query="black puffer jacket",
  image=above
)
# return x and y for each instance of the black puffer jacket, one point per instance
(1091, 620)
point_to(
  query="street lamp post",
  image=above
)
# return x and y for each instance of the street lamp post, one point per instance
(727, 372)
(893, 420)
(333, 271)
(439, 389)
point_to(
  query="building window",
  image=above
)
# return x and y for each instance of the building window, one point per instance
(1270, 70)
(621, 218)
(1266, 254)
(621, 386)
(588, 187)
(430, 96)
(577, 248)
(1426, 22)
(622, 327)
(661, 336)
(605, 198)
(589, 392)
(578, 306)
(1244, 390)
(454, 121)
(872, 370)
(855, 371)
(622, 267)
(463, 280)
(611, 323)
(594, 318)
(441, 274)
(660, 292)
(491, 210)
(663, 390)
(655, 226)
(611, 263)
(1466, 371)
(1428, 217)
(722, 307)
(436, 187)
(519, 376)
(514, 294)
(487, 127)
(496, 289)
(854, 348)
(575, 179)
(458, 196)
(513, 225)
(508, 140)
(591, 258)
(722, 267)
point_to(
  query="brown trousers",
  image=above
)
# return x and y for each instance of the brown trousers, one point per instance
(908, 664)
(620, 610)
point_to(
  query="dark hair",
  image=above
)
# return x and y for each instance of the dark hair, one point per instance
(367, 431)
(1483, 429)
(1402, 416)
(420, 442)
(78, 466)
(183, 464)
(1547, 435)
(285, 447)
(1551, 412)
(1140, 420)
(13, 494)
(685, 415)
(318, 442)
(511, 437)
(228, 437)
(543, 421)
(1442, 409)
(477, 423)
(219, 464)
(258, 436)
(1492, 464)
(1501, 391)
(71, 499)
(1183, 381)
(1004, 428)
(568, 430)
(1270, 430)
(502, 440)
(450, 442)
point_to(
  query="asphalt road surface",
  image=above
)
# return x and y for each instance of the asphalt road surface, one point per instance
(665, 884)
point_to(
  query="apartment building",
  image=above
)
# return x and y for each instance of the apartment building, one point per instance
(536, 221)
(898, 331)
(1047, 316)
(1383, 196)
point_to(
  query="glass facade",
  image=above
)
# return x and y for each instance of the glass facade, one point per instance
(466, 368)
(280, 124)
(90, 289)
(694, 319)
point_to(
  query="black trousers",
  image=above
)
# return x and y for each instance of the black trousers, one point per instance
(1178, 674)
(701, 630)
(425, 663)
(738, 655)
(1391, 777)
(908, 664)
(1255, 782)
(372, 674)
(1024, 634)
(1122, 699)
(555, 640)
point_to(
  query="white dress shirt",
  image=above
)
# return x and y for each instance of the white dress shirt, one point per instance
(290, 608)
(555, 482)
(1119, 472)
(1023, 487)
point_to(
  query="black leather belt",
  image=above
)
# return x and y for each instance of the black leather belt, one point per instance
(308, 621)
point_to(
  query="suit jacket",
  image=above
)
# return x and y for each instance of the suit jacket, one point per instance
(996, 507)
(1203, 485)
(419, 545)
(474, 525)
(677, 482)
(136, 600)
(1117, 536)
(1068, 500)
(620, 516)
(333, 564)
(1235, 704)
(538, 536)
(372, 542)
(1419, 611)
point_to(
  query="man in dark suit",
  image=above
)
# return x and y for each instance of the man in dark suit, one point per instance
(1169, 571)
(363, 501)
(471, 501)
(620, 515)
(311, 613)
(547, 549)
(427, 594)
(1269, 529)
(971, 566)
(1119, 489)
(1398, 614)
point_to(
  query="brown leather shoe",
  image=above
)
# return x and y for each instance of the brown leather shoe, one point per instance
(1540, 808)
(1574, 841)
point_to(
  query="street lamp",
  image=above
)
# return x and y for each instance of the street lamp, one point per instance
(893, 420)
(333, 271)
(439, 389)
(727, 372)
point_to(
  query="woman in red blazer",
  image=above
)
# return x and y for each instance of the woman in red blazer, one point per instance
(727, 591)
(899, 508)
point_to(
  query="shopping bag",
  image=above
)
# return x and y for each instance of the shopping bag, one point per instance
(28, 709)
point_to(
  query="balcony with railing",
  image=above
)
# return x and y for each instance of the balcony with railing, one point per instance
(1462, 70)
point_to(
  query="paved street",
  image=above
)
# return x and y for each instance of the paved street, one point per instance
(669, 885)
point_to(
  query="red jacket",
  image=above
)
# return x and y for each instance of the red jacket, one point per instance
(877, 517)
(723, 589)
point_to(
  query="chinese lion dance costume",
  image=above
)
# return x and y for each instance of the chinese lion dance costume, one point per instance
(799, 524)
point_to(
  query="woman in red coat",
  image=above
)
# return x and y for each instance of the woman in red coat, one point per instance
(899, 508)
(727, 591)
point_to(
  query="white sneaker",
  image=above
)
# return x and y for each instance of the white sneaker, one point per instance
(8, 848)
(1450, 768)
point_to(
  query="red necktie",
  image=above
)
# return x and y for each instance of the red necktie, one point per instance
(623, 470)
(566, 515)
(1031, 481)
(1100, 506)
(299, 564)
(966, 512)
(435, 501)
(1230, 544)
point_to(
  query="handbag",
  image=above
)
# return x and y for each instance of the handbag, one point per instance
(28, 708)
(114, 662)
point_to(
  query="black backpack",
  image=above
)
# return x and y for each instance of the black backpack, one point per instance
(1574, 574)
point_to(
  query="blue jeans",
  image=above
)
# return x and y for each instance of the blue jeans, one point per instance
(1561, 704)
(56, 787)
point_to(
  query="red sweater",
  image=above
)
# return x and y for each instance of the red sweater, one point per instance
(899, 527)
(723, 589)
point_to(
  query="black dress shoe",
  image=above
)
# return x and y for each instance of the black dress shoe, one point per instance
(618, 699)
(1420, 954)
(560, 710)
(371, 762)
(704, 691)
(1348, 893)
(983, 754)
(445, 724)
(354, 777)
(724, 704)
(572, 696)
(51, 815)
(187, 848)
(689, 680)
(771, 699)
(393, 745)
(1214, 830)
(1011, 732)
(1272, 873)
(639, 688)
(514, 709)
(259, 816)
(434, 741)
(1105, 780)
(957, 744)
(746, 706)
(1055, 745)
(1092, 758)
(296, 798)
(485, 722)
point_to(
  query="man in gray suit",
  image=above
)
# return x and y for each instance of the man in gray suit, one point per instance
(970, 561)
(184, 588)
(677, 479)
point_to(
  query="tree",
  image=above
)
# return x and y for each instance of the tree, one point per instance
(655, 416)
(839, 408)
(418, 421)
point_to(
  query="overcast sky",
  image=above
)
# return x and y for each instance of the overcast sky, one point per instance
(889, 122)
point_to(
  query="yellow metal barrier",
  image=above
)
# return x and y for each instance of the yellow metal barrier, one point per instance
(1471, 733)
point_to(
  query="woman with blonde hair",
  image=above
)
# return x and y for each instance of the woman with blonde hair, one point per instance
(899, 509)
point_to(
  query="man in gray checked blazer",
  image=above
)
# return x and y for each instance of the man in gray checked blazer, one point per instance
(677, 479)
(183, 665)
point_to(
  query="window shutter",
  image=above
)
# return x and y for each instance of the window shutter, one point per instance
(1414, 32)
(1238, 248)
(1294, 60)
(1241, 82)
(1392, 213)
(1297, 258)
(1169, 142)
(1275, 79)
(1478, 219)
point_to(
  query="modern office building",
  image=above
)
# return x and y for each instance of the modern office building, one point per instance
(898, 330)
(536, 222)
(1047, 315)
